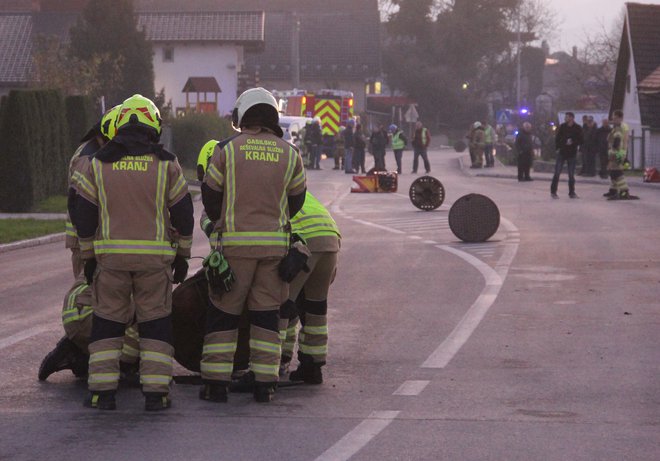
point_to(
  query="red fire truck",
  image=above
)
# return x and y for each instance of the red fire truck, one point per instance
(333, 107)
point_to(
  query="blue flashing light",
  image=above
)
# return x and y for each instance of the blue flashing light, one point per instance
(524, 111)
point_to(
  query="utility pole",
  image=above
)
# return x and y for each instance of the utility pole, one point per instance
(295, 51)
(518, 69)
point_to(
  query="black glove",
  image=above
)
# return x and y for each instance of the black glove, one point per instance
(218, 272)
(294, 261)
(90, 268)
(179, 269)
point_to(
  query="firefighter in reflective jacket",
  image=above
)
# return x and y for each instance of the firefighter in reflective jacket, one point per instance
(134, 216)
(321, 234)
(253, 183)
(71, 353)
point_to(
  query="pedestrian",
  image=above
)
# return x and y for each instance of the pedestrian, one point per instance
(134, 217)
(618, 153)
(321, 234)
(329, 145)
(313, 138)
(420, 143)
(359, 144)
(399, 142)
(378, 142)
(477, 145)
(489, 143)
(254, 183)
(589, 148)
(602, 147)
(349, 142)
(567, 141)
(525, 149)
(339, 150)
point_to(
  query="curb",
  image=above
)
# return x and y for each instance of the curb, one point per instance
(4, 248)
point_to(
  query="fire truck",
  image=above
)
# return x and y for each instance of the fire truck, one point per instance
(333, 107)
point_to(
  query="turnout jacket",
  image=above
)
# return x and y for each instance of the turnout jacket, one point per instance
(247, 192)
(77, 165)
(133, 211)
(315, 224)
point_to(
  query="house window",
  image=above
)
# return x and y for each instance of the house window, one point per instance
(628, 84)
(168, 54)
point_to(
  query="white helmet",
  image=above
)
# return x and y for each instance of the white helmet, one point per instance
(476, 125)
(250, 98)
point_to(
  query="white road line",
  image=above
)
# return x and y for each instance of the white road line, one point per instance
(355, 440)
(411, 388)
(23, 335)
(430, 242)
(378, 226)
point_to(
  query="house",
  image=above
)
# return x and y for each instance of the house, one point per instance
(637, 82)
(311, 44)
(208, 48)
(201, 54)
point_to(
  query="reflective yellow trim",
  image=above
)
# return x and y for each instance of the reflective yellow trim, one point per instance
(103, 200)
(160, 200)
(230, 219)
(222, 367)
(101, 378)
(265, 346)
(313, 350)
(102, 356)
(219, 348)
(156, 379)
(130, 351)
(264, 369)
(178, 187)
(320, 330)
(81, 181)
(156, 357)
(216, 175)
(144, 247)
(290, 168)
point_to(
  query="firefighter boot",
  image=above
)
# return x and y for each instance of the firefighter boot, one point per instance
(65, 356)
(308, 371)
(610, 193)
(156, 401)
(214, 393)
(101, 400)
(264, 392)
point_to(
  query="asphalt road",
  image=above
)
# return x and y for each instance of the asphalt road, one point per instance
(540, 344)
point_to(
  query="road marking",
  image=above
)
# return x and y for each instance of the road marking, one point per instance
(411, 388)
(355, 440)
(23, 335)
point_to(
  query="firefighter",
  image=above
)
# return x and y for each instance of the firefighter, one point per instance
(95, 138)
(134, 216)
(314, 139)
(617, 142)
(254, 182)
(71, 353)
(204, 156)
(477, 145)
(321, 234)
(399, 141)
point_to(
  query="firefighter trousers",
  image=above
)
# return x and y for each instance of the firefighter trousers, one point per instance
(311, 310)
(259, 288)
(119, 297)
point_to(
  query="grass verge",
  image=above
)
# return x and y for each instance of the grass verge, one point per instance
(12, 230)
(54, 204)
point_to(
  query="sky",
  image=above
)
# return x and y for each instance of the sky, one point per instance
(577, 17)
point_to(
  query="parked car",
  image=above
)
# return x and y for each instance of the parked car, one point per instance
(291, 126)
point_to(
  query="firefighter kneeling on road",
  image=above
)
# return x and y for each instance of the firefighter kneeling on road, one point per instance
(134, 216)
(70, 353)
(315, 225)
(254, 182)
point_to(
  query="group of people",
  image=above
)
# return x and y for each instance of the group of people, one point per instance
(273, 256)
(607, 143)
(349, 146)
(481, 142)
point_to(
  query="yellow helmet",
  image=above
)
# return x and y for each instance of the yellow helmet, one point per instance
(108, 122)
(139, 111)
(206, 153)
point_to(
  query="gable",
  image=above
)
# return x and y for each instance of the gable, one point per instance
(15, 48)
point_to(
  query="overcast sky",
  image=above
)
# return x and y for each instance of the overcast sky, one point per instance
(575, 17)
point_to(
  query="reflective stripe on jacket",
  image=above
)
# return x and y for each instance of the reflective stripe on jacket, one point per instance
(315, 224)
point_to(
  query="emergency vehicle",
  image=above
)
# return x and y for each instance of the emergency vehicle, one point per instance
(333, 107)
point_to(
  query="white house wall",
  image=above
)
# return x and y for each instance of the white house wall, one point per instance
(631, 113)
(197, 60)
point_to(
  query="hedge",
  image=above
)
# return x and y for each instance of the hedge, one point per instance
(81, 116)
(191, 132)
(34, 148)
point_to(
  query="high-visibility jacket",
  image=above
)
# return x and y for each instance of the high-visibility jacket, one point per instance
(397, 141)
(489, 134)
(77, 165)
(256, 172)
(315, 224)
(133, 196)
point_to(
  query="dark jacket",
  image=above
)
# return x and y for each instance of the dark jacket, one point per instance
(602, 133)
(349, 139)
(313, 134)
(568, 139)
(378, 140)
(524, 143)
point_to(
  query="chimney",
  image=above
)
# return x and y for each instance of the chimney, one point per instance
(575, 52)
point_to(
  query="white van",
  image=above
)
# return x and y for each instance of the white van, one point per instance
(291, 126)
